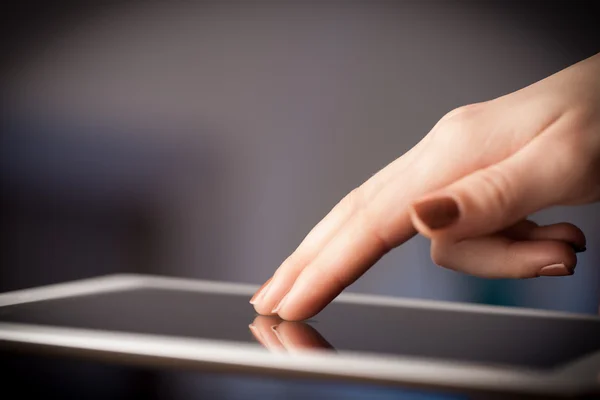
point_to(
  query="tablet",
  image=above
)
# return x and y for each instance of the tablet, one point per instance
(159, 321)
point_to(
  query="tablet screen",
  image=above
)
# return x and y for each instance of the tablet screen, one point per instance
(511, 340)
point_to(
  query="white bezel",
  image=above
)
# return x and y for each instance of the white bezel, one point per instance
(578, 378)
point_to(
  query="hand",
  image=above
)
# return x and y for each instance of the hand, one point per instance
(469, 186)
(278, 335)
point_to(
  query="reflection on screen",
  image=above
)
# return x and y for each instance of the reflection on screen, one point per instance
(441, 334)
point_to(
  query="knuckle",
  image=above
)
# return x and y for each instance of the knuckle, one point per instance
(458, 124)
(353, 201)
(372, 225)
(462, 112)
(498, 189)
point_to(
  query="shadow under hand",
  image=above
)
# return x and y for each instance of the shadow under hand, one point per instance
(278, 335)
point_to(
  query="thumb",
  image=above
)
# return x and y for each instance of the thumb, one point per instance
(491, 199)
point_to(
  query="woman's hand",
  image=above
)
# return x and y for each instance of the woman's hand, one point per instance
(469, 186)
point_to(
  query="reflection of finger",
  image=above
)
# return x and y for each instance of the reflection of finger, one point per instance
(267, 338)
(499, 257)
(300, 336)
(266, 321)
(261, 329)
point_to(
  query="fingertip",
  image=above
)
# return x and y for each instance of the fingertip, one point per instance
(280, 304)
(262, 310)
(260, 293)
(564, 232)
(570, 256)
(293, 315)
(310, 294)
(574, 234)
(273, 293)
(563, 254)
(301, 311)
(293, 310)
(287, 312)
(499, 257)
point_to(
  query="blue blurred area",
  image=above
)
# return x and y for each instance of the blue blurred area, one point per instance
(235, 388)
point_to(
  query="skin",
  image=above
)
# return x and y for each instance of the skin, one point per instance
(287, 336)
(511, 156)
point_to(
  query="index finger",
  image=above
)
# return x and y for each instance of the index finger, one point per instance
(319, 237)
(347, 256)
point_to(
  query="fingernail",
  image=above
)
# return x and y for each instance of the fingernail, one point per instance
(578, 249)
(555, 270)
(437, 213)
(260, 292)
(280, 304)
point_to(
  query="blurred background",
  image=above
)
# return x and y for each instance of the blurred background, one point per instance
(205, 139)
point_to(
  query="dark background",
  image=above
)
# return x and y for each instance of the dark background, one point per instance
(204, 140)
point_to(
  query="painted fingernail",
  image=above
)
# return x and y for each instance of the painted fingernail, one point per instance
(555, 270)
(280, 304)
(578, 249)
(260, 292)
(437, 213)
